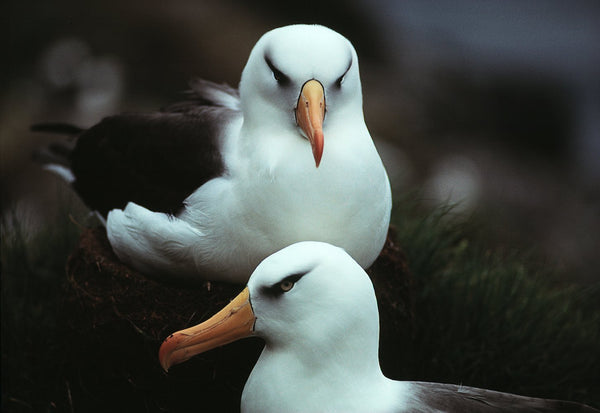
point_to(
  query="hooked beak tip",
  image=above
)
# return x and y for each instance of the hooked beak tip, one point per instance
(317, 147)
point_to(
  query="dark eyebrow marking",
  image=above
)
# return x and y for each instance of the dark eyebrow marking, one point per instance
(338, 82)
(279, 76)
(275, 289)
(349, 66)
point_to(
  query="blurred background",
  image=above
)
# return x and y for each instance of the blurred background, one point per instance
(494, 105)
(490, 105)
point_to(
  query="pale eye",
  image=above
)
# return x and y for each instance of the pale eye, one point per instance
(281, 287)
(286, 285)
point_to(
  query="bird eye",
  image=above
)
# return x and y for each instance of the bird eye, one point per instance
(340, 80)
(278, 75)
(283, 286)
(286, 285)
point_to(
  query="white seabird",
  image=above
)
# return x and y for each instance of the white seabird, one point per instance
(212, 186)
(316, 310)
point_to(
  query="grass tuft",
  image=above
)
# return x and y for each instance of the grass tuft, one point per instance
(496, 319)
(485, 317)
(33, 273)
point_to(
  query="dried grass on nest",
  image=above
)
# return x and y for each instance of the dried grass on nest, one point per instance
(110, 291)
(118, 318)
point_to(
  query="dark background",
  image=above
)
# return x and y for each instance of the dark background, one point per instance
(495, 105)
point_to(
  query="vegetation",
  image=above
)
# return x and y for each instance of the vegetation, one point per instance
(496, 319)
(33, 269)
(483, 316)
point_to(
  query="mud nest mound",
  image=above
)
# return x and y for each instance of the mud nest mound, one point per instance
(116, 319)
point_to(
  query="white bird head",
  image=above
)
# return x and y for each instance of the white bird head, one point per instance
(303, 78)
(309, 298)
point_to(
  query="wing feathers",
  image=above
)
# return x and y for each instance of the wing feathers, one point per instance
(153, 159)
(453, 398)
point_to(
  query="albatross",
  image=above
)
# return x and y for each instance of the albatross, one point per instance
(315, 309)
(211, 186)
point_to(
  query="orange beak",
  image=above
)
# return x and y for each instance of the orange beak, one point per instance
(310, 113)
(233, 322)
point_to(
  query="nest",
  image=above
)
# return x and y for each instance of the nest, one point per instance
(116, 319)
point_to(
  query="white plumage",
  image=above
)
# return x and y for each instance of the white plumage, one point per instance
(271, 194)
(316, 310)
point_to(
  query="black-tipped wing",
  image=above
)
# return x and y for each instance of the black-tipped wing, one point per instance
(154, 159)
(453, 398)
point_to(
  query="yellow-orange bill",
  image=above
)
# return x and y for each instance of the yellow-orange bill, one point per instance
(310, 113)
(234, 321)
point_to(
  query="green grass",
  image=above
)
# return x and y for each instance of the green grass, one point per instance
(496, 319)
(33, 273)
(485, 316)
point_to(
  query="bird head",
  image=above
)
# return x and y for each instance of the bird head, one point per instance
(301, 79)
(308, 298)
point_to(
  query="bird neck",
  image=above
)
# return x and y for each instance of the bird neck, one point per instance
(354, 351)
(284, 380)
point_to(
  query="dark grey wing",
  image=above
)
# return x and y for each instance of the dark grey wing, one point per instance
(433, 397)
(153, 159)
